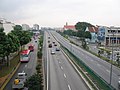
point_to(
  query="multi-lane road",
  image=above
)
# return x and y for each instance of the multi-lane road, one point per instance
(61, 75)
(101, 67)
(28, 68)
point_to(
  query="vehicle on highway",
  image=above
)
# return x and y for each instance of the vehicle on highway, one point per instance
(50, 45)
(57, 49)
(55, 44)
(31, 48)
(52, 51)
(48, 37)
(25, 56)
(19, 81)
(48, 41)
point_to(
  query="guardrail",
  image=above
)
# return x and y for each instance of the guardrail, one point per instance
(96, 79)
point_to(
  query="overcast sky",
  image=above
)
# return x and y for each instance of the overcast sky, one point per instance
(55, 13)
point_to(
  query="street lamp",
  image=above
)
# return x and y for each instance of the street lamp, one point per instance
(111, 60)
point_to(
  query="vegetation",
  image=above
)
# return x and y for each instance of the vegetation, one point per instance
(11, 42)
(23, 36)
(70, 32)
(82, 34)
(34, 82)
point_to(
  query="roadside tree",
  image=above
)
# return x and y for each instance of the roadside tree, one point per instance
(82, 34)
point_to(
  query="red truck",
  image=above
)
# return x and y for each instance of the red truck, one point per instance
(31, 48)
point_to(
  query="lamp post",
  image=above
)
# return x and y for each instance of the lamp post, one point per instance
(111, 60)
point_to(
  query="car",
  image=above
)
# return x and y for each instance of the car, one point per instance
(55, 44)
(52, 52)
(50, 45)
(48, 37)
(57, 49)
(48, 41)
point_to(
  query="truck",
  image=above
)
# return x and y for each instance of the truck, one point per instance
(19, 81)
(31, 47)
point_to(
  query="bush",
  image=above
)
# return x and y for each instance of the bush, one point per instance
(39, 54)
(34, 82)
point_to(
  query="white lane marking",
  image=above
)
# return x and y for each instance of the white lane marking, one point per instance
(61, 67)
(64, 75)
(26, 65)
(59, 62)
(108, 70)
(22, 71)
(69, 87)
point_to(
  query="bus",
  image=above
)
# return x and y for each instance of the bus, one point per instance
(25, 56)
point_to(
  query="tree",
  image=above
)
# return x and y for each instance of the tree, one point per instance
(88, 35)
(17, 27)
(23, 36)
(2, 43)
(81, 27)
(34, 82)
(12, 45)
(70, 32)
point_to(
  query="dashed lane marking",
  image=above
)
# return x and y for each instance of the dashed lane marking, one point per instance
(69, 87)
(61, 67)
(65, 75)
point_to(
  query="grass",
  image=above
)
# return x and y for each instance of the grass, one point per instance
(6, 70)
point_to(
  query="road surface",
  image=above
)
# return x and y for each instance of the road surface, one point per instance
(62, 76)
(101, 67)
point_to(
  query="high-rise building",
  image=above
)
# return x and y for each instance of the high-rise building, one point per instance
(8, 26)
(25, 27)
(36, 27)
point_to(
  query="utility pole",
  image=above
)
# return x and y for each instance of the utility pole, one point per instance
(112, 59)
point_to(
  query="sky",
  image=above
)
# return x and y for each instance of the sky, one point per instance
(55, 13)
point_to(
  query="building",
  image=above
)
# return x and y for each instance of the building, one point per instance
(112, 35)
(101, 34)
(93, 31)
(8, 26)
(25, 27)
(36, 27)
(69, 27)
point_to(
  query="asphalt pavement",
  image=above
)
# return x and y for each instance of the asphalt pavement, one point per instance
(28, 68)
(101, 67)
(62, 76)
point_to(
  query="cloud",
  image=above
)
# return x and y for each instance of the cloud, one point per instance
(57, 12)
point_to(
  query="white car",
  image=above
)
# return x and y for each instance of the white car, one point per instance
(52, 52)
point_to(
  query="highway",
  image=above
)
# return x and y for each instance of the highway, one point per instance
(101, 67)
(28, 68)
(61, 75)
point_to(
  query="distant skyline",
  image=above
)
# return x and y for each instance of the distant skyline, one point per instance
(55, 13)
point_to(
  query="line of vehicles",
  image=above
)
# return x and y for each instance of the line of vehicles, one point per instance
(50, 45)
(19, 81)
(25, 54)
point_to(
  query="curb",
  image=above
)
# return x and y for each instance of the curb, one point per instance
(10, 76)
